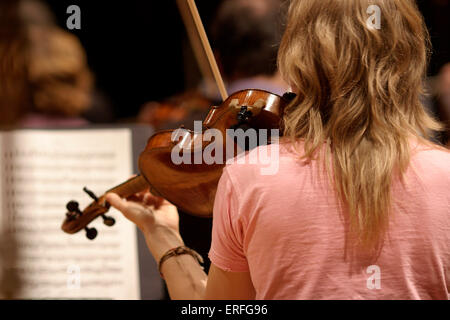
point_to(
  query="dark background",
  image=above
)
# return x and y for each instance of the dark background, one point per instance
(137, 48)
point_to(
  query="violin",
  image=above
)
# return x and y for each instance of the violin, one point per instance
(174, 109)
(189, 186)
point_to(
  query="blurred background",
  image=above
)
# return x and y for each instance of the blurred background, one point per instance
(138, 52)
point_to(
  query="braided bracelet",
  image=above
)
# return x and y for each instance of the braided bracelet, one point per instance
(178, 252)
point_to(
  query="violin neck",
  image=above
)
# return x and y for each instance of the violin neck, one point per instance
(130, 187)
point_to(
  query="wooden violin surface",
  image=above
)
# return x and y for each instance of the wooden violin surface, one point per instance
(192, 185)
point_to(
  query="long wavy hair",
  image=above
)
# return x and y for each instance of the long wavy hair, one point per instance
(359, 90)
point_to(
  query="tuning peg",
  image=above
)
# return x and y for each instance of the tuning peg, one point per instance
(91, 233)
(90, 194)
(109, 221)
(73, 210)
(73, 206)
(289, 96)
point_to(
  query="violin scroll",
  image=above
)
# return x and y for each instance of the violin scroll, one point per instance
(77, 220)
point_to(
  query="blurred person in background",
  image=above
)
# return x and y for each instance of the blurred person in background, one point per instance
(15, 97)
(443, 99)
(245, 35)
(45, 79)
(436, 13)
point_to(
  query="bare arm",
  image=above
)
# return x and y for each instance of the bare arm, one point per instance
(224, 285)
(185, 278)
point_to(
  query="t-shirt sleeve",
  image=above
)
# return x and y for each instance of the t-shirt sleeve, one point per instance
(227, 250)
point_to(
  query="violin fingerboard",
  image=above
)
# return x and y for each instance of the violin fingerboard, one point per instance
(130, 187)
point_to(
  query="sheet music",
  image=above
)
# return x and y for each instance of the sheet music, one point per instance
(41, 172)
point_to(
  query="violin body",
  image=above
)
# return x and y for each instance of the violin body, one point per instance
(174, 110)
(190, 185)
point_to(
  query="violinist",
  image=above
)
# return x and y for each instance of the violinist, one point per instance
(358, 208)
(252, 28)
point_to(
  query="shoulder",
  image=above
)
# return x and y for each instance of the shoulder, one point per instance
(431, 156)
(429, 168)
(260, 164)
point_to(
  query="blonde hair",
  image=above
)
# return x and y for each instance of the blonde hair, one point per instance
(359, 90)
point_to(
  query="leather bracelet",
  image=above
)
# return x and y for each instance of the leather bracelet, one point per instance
(178, 251)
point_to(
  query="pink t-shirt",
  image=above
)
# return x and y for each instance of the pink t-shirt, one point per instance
(288, 230)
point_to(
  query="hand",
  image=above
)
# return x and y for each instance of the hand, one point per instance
(157, 219)
(146, 211)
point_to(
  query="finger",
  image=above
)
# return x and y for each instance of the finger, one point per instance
(142, 193)
(136, 198)
(159, 202)
(152, 200)
(148, 199)
(116, 201)
(139, 196)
